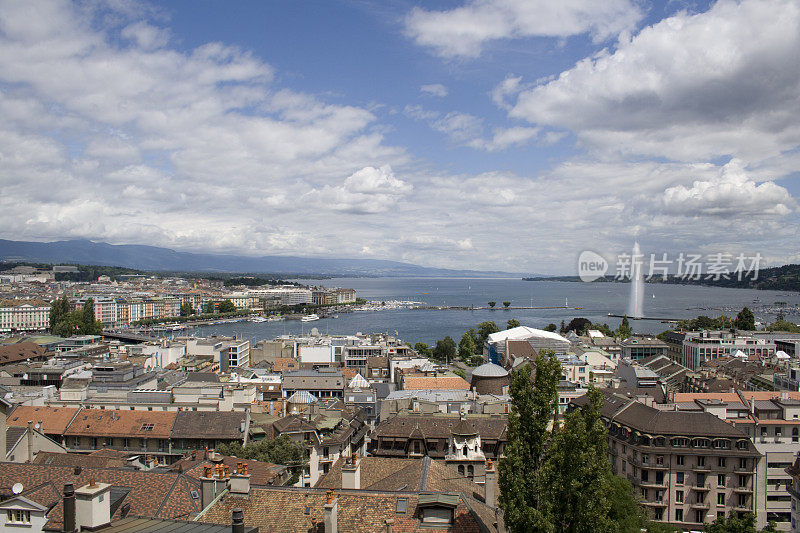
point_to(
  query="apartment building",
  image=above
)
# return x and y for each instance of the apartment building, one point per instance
(24, 315)
(794, 492)
(772, 421)
(687, 468)
(118, 311)
(700, 347)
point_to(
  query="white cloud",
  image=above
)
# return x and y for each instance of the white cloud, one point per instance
(693, 86)
(434, 89)
(464, 30)
(367, 191)
(731, 194)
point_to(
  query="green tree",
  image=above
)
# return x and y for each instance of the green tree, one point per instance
(604, 329)
(69, 325)
(533, 406)
(59, 309)
(513, 323)
(281, 450)
(466, 347)
(784, 325)
(445, 350)
(579, 325)
(460, 373)
(208, 308)
(484, 330)
(745, 320)
(423, 349)
(88, 324)
(576, 474)
(624, 330)
(492, 304)
(506, 304)
(732, 524)
(551, 327)
(186, 309)
(227, 306)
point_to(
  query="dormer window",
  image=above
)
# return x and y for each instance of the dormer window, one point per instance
(437, 509)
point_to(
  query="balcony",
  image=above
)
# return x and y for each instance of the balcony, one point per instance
(743, 490)
(701, 468)
(700, 505)
(657, 503)
(700, 488)
(653, 484)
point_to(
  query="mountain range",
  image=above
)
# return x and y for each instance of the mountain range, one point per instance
(153, 258)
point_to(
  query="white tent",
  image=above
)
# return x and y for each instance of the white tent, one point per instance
(780, 354)
(741, 354)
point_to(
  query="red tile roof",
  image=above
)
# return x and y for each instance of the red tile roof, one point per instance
(121, 423)
(53, 420)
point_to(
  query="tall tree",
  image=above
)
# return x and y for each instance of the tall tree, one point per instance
(513, 323)
(484, 330)
(88, 324)
(551, 327)
(445, 349)
(506, 304)
(492, 304)
(624, 330)
(466, 347)
(533, 405)
(423, 349)
(186, 309)
(745, 320)
(577, 473)
(59, 309)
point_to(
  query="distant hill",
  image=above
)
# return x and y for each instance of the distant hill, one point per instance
(153, 258)
(782, 278)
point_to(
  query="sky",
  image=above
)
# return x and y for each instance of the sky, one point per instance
(482, 134)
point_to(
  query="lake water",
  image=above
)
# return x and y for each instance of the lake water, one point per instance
(595, 299)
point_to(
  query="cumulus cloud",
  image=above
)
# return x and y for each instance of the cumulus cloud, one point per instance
(463, 31)
(367, 191)
(692, 86)
(733, 193)
(434, 89)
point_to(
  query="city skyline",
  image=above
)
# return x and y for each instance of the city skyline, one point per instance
(472, 134)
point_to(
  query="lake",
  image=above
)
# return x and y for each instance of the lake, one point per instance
(595, 299)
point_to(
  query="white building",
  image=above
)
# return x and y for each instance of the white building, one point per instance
(700, 347)
(24, 315)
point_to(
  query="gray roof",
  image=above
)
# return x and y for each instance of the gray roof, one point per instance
(490, 370)
(13, 434)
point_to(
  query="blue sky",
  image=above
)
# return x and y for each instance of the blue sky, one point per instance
(497, 134)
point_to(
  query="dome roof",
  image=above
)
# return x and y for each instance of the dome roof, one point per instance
(490, 370)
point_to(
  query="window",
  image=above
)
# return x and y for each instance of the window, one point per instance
(742, 462)
(679, 515)
(645, 476)
(19, 516)
(402, 505)
(679, 496)
(699, 517)
(470, 471)
(721, 498)
(720, 480)
(742, 481)
(701, 461)
(679, 478)
(679, 460)
(721, 462)
(461, 469)
(660, 460)
(795, 436)
(742, 500)
(437, 515)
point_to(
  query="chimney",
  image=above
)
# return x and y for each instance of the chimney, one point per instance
(331, 519)
(93, 505)
(207, 486)
(240, 480)
(351, 473)
(490, 487)
(69, 508)
(237, 526)
(30, 441)
(389, 524)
